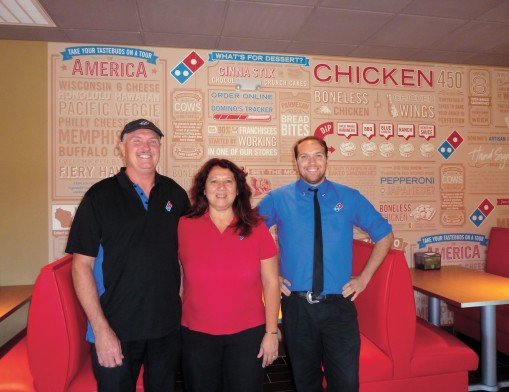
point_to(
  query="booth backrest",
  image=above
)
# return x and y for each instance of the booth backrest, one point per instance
(386, 308)
(56, 328)
(497, 254)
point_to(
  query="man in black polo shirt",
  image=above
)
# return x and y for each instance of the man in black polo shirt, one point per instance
(125, 267)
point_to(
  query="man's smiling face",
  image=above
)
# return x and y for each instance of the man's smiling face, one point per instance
(311, 162)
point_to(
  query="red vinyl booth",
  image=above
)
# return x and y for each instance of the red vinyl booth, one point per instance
(54, 356)
(467, 320)
(400, 353)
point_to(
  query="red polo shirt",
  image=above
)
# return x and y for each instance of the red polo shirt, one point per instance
(222, 278)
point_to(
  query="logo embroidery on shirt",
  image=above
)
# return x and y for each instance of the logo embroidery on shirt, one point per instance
(241, 237)
(168, 206)
(338, 207)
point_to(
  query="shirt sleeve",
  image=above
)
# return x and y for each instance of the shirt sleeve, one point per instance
(268, 247)
(267, 210)
(85, 234)
(370, 220)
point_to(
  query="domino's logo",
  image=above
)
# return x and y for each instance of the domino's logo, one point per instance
(482, 212)
(450, 145)
(187, 67)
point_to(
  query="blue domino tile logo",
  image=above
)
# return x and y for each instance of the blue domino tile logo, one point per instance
(477, 218)
(187, 67)
(181, 73)
(446, 149)
(450, 145)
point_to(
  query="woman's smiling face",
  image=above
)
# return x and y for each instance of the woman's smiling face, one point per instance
(220, 188)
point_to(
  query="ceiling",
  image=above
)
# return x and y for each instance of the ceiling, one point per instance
(449, 31)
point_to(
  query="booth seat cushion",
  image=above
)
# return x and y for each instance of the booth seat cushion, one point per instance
(56, 328)
(438, 352)
(15, 371)
(376, 365)
(54, 356)
(453, 382)
(386, 308)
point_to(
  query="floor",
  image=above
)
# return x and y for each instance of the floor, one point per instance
(278, 377)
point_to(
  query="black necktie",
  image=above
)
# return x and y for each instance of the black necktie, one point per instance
(318, 248)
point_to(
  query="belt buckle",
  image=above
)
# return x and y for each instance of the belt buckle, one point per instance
(310, 299)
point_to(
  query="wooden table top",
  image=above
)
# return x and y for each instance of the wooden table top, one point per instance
(462, 287)
(13, 297)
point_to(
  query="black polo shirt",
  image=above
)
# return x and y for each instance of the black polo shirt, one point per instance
(140, 268)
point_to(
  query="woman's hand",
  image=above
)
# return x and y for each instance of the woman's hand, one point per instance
(268, 349)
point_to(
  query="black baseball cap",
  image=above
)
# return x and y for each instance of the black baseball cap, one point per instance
(140, 124)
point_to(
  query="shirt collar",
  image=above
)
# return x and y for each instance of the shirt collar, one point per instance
(126, 181)
(303, 186)
(206, 215)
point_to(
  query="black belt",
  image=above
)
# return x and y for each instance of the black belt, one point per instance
(314, 299)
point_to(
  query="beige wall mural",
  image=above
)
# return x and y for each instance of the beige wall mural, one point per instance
(428, 144)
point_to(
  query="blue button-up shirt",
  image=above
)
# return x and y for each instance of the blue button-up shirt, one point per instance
(290, 207)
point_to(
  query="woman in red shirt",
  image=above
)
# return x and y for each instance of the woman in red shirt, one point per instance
(228, 256)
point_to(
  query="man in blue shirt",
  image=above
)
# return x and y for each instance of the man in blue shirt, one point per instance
(321, 327)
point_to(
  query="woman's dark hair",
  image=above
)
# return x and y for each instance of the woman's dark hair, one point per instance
(247, 217)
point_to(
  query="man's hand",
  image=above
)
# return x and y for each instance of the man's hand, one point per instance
(354, 287)
(109, 351)
(283, 286)
(357, 284)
